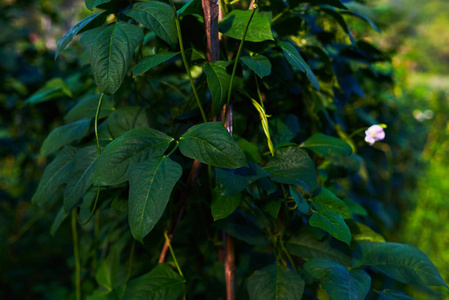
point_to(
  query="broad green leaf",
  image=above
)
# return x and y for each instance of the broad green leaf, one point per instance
(243, 227)
(90, 22)
(328, 201)
(333, 223)
(361, 232)
(55, 174)
(393, 295)
(234, 24)
(107, 272)
(341, 21)
(355, 207)
(338, 282)
(156, 16)
(110, 50)
(60, 217)
(54, 88)
(303, 206)
(162, 283)
(305, 245)
(121, 154)
(64, 135)
(275, 282)
(122, 120)
(150, 185)
(149, 62)
(327, 145)
(258, 63)
(292, 165)
(87, 107)
(402, 262)
(211, 143)
(101, 294)
(272, 206)
(222, 205)
(218, 81)
(233, 181)
(80, 179)
(335, 3)
(91, 4)
(294, 58)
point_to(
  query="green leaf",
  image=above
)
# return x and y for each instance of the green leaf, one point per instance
(333, 223)
(275, 282)
(160, 283)
(87, 107)
(91, 4)
(327, 145)
(121, 154)
(393, 295)
(234, 24)
(361, 232)
(295, 60)
(338, 282)
(328, 201)
(55, 174)
(305, 245)
(272, 206)
(218, 81)
(54, 88)
(292, 165)
(258, 63)
(80, 179)
(60, 217)
(111, 49)
(402, 262)
(101, 294)
(64, 135)
(122, 120)
(222, 205)
(150, 185)
(303, 206)
(90, 22)
(211, 143)
(107, 272)
(156, 16)
(233, 181)
(149, 62)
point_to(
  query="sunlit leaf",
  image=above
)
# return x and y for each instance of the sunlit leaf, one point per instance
(328, 201)
(234, 24)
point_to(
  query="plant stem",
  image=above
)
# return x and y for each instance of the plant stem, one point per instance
(230, 267)
(77, 257)
(93, 209)
(236, 63)
(184, 60)
(167, 239)
(96, 122)
(281, 242)
(130, 266)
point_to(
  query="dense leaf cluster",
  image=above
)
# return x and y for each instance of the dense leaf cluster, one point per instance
(287, 177)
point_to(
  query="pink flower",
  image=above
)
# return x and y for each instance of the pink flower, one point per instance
(373, 134)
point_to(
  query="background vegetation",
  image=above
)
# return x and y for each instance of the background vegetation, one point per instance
(412, 163)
